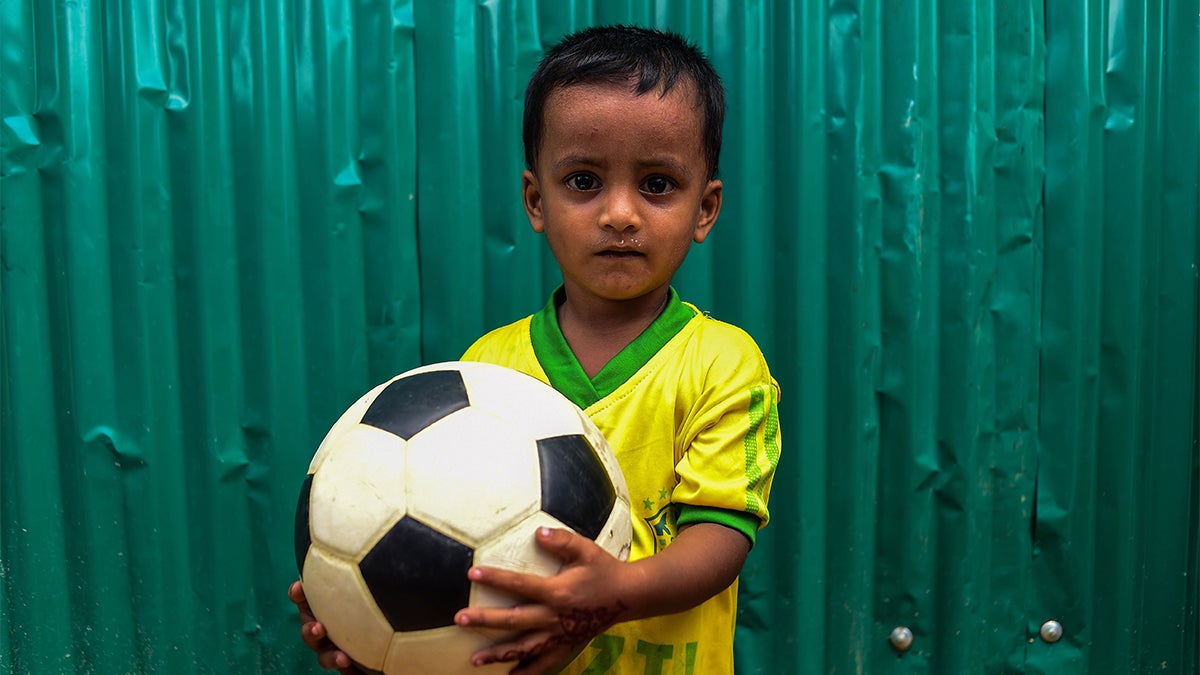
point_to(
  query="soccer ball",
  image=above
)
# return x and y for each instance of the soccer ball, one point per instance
(440, 468)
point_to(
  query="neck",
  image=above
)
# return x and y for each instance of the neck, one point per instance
(597, 329)
(598, 315)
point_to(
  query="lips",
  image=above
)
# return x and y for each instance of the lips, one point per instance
(620, 249)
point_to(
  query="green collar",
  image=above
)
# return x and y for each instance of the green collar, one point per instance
(563, 369)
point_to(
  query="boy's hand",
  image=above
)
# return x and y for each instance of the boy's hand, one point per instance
(563, 612)
(313, 634)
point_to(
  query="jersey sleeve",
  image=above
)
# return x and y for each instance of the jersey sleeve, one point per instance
(727, 467)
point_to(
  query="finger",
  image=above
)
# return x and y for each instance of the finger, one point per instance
(549, 661)
(528, 586)
(328, 655)
(314, 635)
(297, 596)
(515, 619)
(296, 592)
(565, 545)
(334, 659)
(528, 646)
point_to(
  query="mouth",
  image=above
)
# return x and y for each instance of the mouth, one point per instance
(620, 254)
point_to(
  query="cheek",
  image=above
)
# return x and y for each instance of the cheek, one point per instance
(562, 244)
(684, 247)
(678, 251)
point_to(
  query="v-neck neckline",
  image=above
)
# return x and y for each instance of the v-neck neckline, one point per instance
(563, 369)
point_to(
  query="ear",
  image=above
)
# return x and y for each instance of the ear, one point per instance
(710, 208)
(531, 196)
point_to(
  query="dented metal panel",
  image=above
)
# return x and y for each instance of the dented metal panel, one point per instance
(964, 233)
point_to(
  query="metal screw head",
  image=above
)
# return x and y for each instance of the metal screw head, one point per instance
(901, 638)
(1052, 631)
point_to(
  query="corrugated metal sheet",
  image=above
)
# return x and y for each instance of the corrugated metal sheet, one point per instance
(977, 224)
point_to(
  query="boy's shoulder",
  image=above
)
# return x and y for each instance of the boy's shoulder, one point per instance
(501, 342)
(716, 353)
(721, 337)
(717, 329)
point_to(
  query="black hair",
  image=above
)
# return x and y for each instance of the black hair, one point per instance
(654, 59)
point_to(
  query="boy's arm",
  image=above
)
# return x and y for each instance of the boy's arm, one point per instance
(594, 591)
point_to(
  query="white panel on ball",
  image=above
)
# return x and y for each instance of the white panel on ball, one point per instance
(542, 410)
(358, 493)
(618, 531)
(471, 475)
(444, 651)
(346, 421)
(339, 597)
(514, 549)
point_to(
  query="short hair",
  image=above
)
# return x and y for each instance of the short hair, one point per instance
(655, 59)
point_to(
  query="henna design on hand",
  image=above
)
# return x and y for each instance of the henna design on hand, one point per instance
(581, 625)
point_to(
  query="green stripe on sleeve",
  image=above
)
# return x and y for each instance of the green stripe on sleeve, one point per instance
(746, 523)
(753, 472)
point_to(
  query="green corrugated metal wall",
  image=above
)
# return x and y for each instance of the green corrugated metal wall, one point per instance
(975, 222)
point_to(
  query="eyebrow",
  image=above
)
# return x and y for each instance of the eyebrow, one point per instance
(668, 162)
(571, 160)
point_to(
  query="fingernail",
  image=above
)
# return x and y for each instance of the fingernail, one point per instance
(544, 531)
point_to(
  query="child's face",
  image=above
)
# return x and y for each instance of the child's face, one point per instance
(620, 188)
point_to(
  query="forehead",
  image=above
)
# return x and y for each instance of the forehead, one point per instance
(614, 115)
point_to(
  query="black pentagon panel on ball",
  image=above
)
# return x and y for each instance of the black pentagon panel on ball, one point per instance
(418, 576)
(303, 539)
(409, 404)
(575, 487)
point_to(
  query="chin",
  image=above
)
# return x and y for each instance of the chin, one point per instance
(630, 295)
(615, 291)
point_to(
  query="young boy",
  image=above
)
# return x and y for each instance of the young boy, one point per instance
(622, 135)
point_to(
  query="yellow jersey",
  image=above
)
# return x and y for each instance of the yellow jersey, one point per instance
(690, 409)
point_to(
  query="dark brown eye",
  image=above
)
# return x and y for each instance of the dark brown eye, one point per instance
(657, 185)
(583, 182)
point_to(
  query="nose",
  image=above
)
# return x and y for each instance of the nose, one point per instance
(620, 210)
